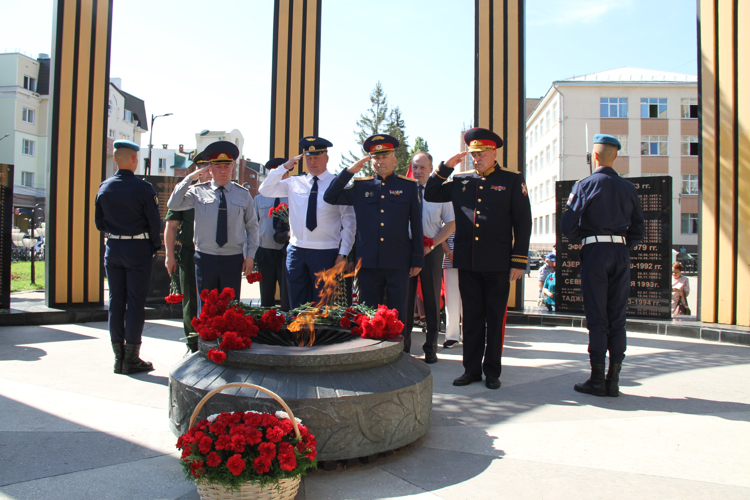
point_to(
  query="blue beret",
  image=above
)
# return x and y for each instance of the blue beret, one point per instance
(380, 144)
(313, 146)
(607, 139)
(122, 143)
(275, 163)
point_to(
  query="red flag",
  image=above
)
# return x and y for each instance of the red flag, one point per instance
(409, 172)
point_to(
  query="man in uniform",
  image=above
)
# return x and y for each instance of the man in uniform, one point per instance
(128, 210)
(438, 222)
(270, 257)
(226, 229)
(605, 212)
(179, 227)
(322, 235)
(493, 229)
(385, 205)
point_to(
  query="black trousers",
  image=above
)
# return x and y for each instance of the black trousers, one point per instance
(128, 266)
(218, 272)
(432, 280)
(384, 286)
(605, 283)
(484, 297)
(272, 265)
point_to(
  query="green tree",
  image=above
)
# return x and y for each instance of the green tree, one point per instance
(419, 145)
(397, 128)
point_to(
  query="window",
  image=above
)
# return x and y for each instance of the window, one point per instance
(689, 145)
(27, 179)
(653, 107)
(535, 226)
(536, 133)
(546, 190)
(689, 107)
(554, 183)
(553, 228)
(28, 148)
(536, 163)
(528, 144)
(613, 107)
(554, 148)
(549, 154)
(112, 133)
(29, 83)
(541, 126)
(654, 145)
(162, 164)
(128, 115)
(624, 145)
(554, 112)
(689, 223)
(548, 120)
(111, 108)
(546, 224)
(689, 184)
(28, 115)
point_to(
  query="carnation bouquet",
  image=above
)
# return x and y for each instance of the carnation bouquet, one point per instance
(174, 297)
(281, 212)
(231, 449)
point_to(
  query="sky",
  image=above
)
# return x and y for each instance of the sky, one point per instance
(209, 63)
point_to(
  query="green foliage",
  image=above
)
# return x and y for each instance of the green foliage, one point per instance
(419, 145)
(397, 128)
(22, 270)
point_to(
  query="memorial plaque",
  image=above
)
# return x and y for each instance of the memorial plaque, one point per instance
(160, 279)
(6, 227)
(650, 261)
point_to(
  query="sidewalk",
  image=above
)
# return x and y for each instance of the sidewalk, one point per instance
(71, 429)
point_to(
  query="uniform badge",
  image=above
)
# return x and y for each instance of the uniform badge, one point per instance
(498, 188)
(523, 188)
(465, 181)
(368, 194)
(156, 199)
(571, 198)
(396, 193)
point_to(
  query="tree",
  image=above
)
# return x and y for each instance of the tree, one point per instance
(380, 120)
(419, 145)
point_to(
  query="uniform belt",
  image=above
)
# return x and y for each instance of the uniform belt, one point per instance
(606, 238)
(142, 236)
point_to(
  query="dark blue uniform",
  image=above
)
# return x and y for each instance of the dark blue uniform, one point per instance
(385, 209)
(493, 229)
(127, 206)
(604, 204)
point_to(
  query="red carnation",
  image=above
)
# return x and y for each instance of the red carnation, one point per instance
(217, 356)
(428, 242)
(205, 445)
(213, 459)
(345, 322)
(270, 213)
(235, 464)
(262, 465)
(254, 277)
(275, 434)
(224, 442)
(196, 468)
(174, 298)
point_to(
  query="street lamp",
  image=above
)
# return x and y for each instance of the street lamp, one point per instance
(35, 232)
(150, 136)
(3, 137)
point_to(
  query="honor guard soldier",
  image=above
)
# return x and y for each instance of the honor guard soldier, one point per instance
(493, 229)
(322, 235)
(604, 210)
(226, 228)
(179, 227)
(271, 257)
(128, 211)
(385, 205)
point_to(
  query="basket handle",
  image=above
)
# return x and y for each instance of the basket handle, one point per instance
(275, 396)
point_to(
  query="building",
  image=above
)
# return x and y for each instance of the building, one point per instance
(653, 114)
(127, 120)
(24, 106)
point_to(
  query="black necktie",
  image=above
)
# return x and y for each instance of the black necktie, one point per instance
(421, 195)
(312, 207)
(276, 220)
(221, 223)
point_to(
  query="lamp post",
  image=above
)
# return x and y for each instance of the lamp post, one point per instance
(3, 137)
(35, 233)
(150, 145)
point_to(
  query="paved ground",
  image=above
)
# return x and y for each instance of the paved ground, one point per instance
(71, 429)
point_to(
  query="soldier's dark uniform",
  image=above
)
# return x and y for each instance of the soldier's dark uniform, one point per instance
(605, 211)
(493, 229)
(128, 210)
(384, 209)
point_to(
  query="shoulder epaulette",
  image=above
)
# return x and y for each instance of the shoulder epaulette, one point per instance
(240, 186)
(201, 183)
(464, 173)
(367, 178)
(407, 178)
(509, 170)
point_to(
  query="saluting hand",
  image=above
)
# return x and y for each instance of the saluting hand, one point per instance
(292, 162)
(454, 160)
(194, 175)
(358, 165)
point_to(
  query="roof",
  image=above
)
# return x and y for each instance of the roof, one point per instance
(179, 161)
(627, 75)
(135, 106)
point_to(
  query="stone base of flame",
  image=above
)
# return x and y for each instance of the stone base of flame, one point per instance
(358, 398)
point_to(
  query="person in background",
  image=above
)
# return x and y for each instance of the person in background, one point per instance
(680, 289)
(549, 291)
(547, 268)
(452, 297)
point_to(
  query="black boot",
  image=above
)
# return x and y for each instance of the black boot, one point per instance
(119, 350)
(595, 384)
(133, 363)
(613, 380)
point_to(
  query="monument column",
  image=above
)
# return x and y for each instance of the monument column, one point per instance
(77, 138)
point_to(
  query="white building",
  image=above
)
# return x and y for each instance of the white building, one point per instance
(127, 120)
(207, 137)
(653, 114)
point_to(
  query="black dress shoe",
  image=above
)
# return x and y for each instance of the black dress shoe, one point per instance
(450, 344)
(430, 358)
(492, 383)
(467, 379)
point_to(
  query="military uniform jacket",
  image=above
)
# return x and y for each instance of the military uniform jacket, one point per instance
(490, 212)
(184, 233)
(384, 208)
(127, 205)
(604, 204)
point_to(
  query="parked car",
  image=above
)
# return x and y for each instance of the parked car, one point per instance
(536, 259)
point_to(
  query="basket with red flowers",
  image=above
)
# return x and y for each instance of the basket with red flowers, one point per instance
(241, 455)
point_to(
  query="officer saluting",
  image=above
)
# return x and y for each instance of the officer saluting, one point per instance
(385, 206)
(605, 211)
(127, 209)
(493, 229)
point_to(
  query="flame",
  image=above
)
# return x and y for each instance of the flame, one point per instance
(329, 278)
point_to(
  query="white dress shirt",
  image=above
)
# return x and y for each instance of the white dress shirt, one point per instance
(336, 224)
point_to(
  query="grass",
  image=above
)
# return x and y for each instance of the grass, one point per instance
(21, 276)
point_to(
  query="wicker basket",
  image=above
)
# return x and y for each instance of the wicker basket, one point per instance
(285, 489)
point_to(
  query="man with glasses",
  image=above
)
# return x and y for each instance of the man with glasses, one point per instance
(493, 229)
(226, 228)
(322, 235)
(385, 206)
